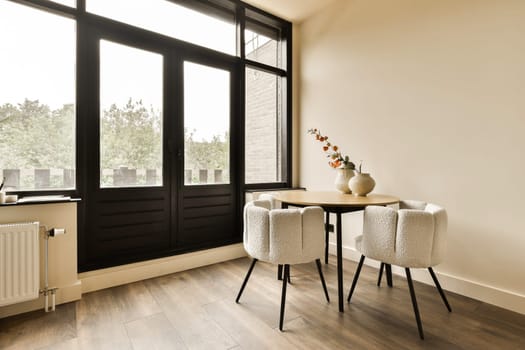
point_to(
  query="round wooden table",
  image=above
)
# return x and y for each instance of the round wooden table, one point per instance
(337, 203)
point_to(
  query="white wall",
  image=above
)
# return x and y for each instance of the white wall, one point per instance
(431, 95)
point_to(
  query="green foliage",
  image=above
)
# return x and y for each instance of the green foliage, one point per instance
(35, 136)
(131, 137)
(206, 154)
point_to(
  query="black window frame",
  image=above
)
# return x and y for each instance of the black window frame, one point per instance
(268, 22)
(87, 101)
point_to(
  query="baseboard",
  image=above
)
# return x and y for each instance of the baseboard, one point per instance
(119, 275)
(488, 294)
(110, 277)
(65, 294)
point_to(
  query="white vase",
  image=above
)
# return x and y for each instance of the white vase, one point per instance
(341, 180)
(361, 184)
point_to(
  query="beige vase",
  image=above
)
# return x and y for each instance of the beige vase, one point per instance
(342, 178)
(361, 184)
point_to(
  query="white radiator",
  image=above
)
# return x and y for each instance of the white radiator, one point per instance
(19, 262)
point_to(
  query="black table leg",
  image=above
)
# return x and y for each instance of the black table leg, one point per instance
(327, 236)
(340, 287)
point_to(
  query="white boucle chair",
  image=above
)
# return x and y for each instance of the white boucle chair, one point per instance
(412, 237)
(276, 204)
(285, 237)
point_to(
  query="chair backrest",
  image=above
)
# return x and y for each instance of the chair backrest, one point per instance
(283, 236)
(275, 204)
(413, 236)
(412, 204)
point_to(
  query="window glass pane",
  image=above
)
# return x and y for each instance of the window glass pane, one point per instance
(37, 99)
(263, 146)
(206, 125)
(130, 116)
(70, 3)
(262, 45)
(168, 18)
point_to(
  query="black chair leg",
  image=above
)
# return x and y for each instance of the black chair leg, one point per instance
(388, 270)
(283, 295)
(380, 274)
(246, 279)
(327, 236)
(318, 263)
(414, 302)
(280, 273)
(356, 277)
(289, 278)
(438, 286)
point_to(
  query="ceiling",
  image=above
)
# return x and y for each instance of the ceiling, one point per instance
(292, 10)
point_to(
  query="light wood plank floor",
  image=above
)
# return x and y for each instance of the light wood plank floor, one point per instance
(196, 310)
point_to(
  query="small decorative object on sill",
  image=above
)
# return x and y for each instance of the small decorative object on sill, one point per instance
(344, 167)
(361, 184)
(11, 198)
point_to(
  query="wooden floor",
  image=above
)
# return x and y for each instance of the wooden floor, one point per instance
(196, 310)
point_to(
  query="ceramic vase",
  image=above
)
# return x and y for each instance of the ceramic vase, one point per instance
(361, 184)
(342, 178)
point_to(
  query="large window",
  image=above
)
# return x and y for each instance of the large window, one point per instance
(37, 99)
(158, 114)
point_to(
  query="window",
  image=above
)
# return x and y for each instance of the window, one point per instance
(263, 148)
(165, 17)
(130, 116)
(267, 114)
(159, 114)
(37, 99)
(206, 125)
(262, 44)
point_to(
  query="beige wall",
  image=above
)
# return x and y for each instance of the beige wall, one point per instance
(431, 95)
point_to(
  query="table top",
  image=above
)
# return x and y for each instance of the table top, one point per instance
(333, 199)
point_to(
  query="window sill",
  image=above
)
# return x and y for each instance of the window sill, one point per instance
(43, 200)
